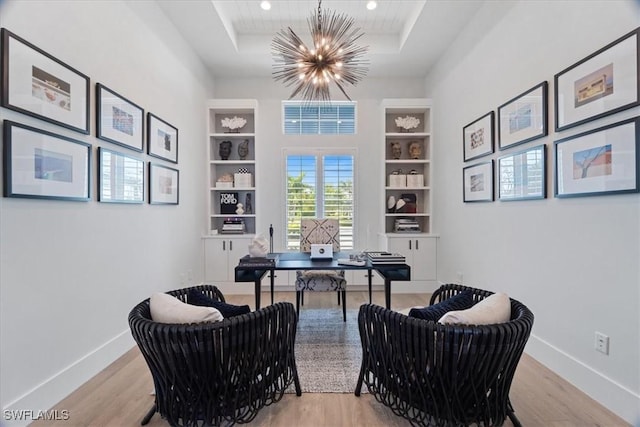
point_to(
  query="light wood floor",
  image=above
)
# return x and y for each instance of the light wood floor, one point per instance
(119, 396)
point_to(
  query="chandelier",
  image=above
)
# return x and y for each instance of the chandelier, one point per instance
(332, 58)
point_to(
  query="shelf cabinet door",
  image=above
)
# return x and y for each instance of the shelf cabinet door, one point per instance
(222, 256)
(420, 253)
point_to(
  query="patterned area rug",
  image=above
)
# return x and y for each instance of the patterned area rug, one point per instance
(328, 351)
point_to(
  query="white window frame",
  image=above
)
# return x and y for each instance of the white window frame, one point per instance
(319, 153)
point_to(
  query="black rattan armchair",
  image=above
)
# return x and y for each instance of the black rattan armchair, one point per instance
(442, 375)
(217, 373)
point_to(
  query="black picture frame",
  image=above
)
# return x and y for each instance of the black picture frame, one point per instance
(119, 120)
(477, 182)
(120, 177)
(162, 139)
(523, 118)
(39, 85)
(43, 165)
(164, 185)
(523, 175)
(599, 162)
(585, 90)
(478, 137)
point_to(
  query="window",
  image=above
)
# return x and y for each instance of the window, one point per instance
(304, 118)
(320, 185)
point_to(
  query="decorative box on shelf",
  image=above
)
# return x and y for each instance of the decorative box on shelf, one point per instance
(242, 180)
(397, 180)
(415, 180)
(224, 184)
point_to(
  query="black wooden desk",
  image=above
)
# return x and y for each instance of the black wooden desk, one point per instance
(301, 261)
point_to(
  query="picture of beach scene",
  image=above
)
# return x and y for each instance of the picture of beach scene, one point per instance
(594, 86)
(520, 119)
(50, 88)
(52, 166)
(592, 162)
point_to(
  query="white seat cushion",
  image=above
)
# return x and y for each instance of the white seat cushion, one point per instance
(168, 309)
(495, 308)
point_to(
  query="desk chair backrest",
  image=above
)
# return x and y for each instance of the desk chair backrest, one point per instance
(319, 230)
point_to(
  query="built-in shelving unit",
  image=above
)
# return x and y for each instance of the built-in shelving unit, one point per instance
(407, 174)
(408, 225)
(241, 171)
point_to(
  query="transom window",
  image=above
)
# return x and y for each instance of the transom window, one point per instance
(305, 118)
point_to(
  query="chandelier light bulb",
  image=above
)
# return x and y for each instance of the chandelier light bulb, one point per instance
(372, 5)
(265, 5)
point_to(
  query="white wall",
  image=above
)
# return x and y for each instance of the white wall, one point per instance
(367, 142)
(574, 262)
(71, 271)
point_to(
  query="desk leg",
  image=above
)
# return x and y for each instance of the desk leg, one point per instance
(370, 274)
(272, 283)
(257, 291)
(387, 293)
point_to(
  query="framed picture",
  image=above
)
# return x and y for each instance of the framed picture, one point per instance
(478, 182)
(43, 165)
(601, 84)
(120, 177)
(522, 176)
(600, 161)
(478, 137)
(39, 85)
(118, 120)
(162, 139)
(524, 118)
(163, 185)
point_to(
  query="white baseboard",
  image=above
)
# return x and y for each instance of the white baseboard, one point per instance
(55, 388)
(615, 397)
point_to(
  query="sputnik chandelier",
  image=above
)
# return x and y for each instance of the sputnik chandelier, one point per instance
(333, 56)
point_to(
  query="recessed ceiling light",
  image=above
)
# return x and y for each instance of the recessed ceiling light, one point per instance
(372, 5)
(265, 5)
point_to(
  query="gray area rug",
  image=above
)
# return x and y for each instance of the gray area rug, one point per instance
(328, 351)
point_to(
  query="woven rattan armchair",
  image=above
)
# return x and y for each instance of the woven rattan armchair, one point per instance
(442, 375)
(217, 373)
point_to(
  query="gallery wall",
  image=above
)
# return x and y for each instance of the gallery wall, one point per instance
(71, 271)
(574, 261)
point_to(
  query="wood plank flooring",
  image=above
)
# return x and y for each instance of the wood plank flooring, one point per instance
(120, 395)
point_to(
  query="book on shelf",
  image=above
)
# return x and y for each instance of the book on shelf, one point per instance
(233, 226)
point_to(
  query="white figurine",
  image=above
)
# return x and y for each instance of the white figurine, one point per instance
(258, 247)
(239, 208)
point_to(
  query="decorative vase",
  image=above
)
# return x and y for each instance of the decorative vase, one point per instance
(243, 149)
(225, 149)
(396, 150)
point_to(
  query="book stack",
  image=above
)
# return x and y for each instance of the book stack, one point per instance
(378, 258)
(406, 225)
(256, 262)
(233, 226)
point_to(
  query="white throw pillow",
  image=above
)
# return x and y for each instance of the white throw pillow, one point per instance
(495, 308)
(168, 309)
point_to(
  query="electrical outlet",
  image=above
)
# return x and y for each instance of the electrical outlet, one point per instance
(602, 343)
